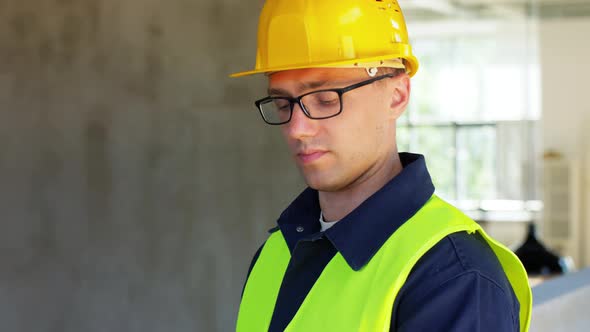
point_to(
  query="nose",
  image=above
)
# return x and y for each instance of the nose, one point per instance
(300, 125)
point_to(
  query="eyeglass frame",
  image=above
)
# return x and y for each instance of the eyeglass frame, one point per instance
(297, 100)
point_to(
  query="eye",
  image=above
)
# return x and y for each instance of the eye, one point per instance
(325, 98)
(282, 104)
(328, 101)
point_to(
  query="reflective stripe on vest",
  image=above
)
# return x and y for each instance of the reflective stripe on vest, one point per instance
(346, 300)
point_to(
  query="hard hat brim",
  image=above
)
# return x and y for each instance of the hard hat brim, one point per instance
(411, 65)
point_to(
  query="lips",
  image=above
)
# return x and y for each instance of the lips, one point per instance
(307, 157)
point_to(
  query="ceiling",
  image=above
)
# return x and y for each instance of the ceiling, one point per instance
(444, 9)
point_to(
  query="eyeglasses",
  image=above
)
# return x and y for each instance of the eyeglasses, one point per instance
(317, 105)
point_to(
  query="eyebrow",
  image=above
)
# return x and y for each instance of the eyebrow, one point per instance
(302, 87)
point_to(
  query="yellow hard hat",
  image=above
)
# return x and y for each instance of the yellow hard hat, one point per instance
(296, 34)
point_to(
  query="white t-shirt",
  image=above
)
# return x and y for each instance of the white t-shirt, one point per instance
(325, 225)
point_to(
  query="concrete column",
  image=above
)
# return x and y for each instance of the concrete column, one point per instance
(136, 179)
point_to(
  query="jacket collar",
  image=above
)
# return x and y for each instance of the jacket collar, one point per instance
(360, 234)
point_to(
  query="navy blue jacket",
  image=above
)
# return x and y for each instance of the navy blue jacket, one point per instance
(458, 285)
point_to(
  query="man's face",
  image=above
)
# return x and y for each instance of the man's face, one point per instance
(336, 153)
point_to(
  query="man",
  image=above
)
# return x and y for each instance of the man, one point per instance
(367, 247)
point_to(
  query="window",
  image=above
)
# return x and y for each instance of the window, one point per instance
(474, 110)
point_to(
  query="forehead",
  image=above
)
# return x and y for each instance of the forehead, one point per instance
(300, 80)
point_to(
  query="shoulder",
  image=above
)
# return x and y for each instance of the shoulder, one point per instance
(455, 255)
(460, 271)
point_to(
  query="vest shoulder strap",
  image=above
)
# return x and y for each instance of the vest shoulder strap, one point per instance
(263, 284)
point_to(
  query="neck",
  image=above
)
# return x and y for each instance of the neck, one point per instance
(336, 205)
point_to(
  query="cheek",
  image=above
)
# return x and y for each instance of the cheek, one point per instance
(286, 134)
(359, 135)
(368, 118)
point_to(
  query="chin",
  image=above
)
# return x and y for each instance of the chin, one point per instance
(324, 183)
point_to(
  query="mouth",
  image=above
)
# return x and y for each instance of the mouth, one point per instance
(307, 157)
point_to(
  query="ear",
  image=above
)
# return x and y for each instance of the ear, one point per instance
(400, 96)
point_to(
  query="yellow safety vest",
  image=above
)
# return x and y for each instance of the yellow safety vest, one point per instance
(346, 300)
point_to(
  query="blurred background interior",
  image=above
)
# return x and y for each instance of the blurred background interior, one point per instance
(137, 180)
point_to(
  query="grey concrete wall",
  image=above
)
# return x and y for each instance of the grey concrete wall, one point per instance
(136, 179)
